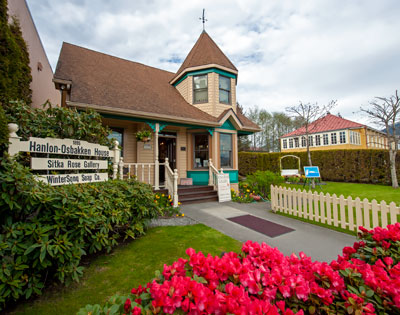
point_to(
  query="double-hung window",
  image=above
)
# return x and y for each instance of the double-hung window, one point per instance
(325, 138)
(200, 89)
(303, 142)
(200, 150)
(333, 138)
(291, 143)
(284, 143)
(318, 140)
(342, 136)
(224, 90)
(296, 142)
(310, 141)
(226, 152)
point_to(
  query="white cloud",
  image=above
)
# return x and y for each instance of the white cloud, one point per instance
(286, 51)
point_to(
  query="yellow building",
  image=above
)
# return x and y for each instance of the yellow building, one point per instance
(192, 114)
(333, 132)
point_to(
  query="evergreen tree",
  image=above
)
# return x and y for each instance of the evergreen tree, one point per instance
(15, 73)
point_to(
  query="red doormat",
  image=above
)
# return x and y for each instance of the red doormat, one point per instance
(265, 227)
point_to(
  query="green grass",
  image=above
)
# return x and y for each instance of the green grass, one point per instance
(369, 191)
(128, 266)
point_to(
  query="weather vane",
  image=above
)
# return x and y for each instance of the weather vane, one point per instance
(203, 20)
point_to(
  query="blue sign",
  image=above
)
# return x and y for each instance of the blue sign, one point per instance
(311, 172)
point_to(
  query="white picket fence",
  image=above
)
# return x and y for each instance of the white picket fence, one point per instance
(342, 212)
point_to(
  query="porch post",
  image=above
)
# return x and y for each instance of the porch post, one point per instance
(156, 162)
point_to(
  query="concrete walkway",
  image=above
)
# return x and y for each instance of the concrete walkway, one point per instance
(319, 243)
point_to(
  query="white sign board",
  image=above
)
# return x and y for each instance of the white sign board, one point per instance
(224, 187)
(62, 146)
(66, 179)
(67, 164)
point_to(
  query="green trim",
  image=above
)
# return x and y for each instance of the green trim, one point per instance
(233, 176)
(228, 125)
(150, 121)
(201, 177)
(244, 133)
(198, 72)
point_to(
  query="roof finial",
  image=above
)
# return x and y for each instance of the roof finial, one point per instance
(203, 20)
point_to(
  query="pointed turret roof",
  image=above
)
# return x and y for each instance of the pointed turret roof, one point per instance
(205, 52)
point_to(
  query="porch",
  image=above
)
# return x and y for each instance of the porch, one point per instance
(176, 152)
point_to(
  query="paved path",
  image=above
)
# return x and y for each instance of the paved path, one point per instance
(319, 243)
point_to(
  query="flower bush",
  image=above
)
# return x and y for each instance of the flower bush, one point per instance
(165, 202)
(245, 194)
(261, 280)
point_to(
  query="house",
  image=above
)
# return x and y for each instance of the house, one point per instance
(333, 132)
(192, 113)
(42, 75)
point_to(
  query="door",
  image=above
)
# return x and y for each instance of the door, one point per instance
(166, 149)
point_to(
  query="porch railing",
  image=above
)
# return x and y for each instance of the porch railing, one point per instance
(213, 174)
(144, 172)
(171, 182)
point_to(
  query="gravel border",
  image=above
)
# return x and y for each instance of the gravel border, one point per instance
(174, 221)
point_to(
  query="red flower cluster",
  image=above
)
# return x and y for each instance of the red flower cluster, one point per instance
(262, 280)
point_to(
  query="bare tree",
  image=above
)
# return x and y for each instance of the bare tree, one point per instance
(310, 115)
(385, 112)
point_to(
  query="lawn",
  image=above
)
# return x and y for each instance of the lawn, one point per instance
(369, 191)
(128, 266)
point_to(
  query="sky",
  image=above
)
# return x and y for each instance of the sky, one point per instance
(286, 51)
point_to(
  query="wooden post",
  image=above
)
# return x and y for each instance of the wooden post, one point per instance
(121, 168)
(116, 159)
(175, 188)
(13, 147)
(156, 162)
(210, 172)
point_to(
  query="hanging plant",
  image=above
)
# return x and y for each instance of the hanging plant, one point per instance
(143, 135)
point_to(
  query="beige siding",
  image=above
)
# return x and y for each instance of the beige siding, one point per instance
(181, 156)
(183, 89)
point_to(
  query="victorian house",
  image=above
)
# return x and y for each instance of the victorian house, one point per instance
(191, 114)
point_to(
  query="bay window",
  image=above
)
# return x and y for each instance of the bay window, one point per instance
(200, 151)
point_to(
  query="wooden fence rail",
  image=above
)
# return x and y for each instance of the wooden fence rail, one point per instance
(342, 212)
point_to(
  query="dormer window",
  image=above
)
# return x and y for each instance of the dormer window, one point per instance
(200, 89)
(224, 90)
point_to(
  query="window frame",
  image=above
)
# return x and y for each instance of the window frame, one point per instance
(291, 143)
(317, 140)
(342, 137)
(296, 142)
(200, 89)
(333, 138)
(231, 155)
(194, 149)
(303, 142)
(121, 131)
(284, 143)
(229, 91)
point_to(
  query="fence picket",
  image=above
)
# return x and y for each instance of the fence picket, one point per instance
(322, 205)
(316, 206)
(375, 209)
(295, 207)
(305, 207)
(290, 201)
(359, 216)
(328, 200)
(384, 213)
(394, 211)
(342, 212)
(350, 211)
(335, 210)
(310, 205)
(366, 206)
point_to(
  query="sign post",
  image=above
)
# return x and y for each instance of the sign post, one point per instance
(312, 173)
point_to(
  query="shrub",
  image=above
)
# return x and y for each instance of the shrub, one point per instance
(360, 166)
(261, 280)
(261, 182)
(4, 134)
(46, 230)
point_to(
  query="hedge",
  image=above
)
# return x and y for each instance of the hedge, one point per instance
(358, 166)
(45, 230)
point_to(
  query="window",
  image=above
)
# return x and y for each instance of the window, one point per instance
(118, 134)
(355, 138)
(200, 89)
(296, 142)
(310, 141)
(325, 138)
(303, 141)
(224, 90)
(284, 144)
(225, 142)
(200, 150)
(342, 136)
(318, 140)
(291, 143)
(333, 138)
